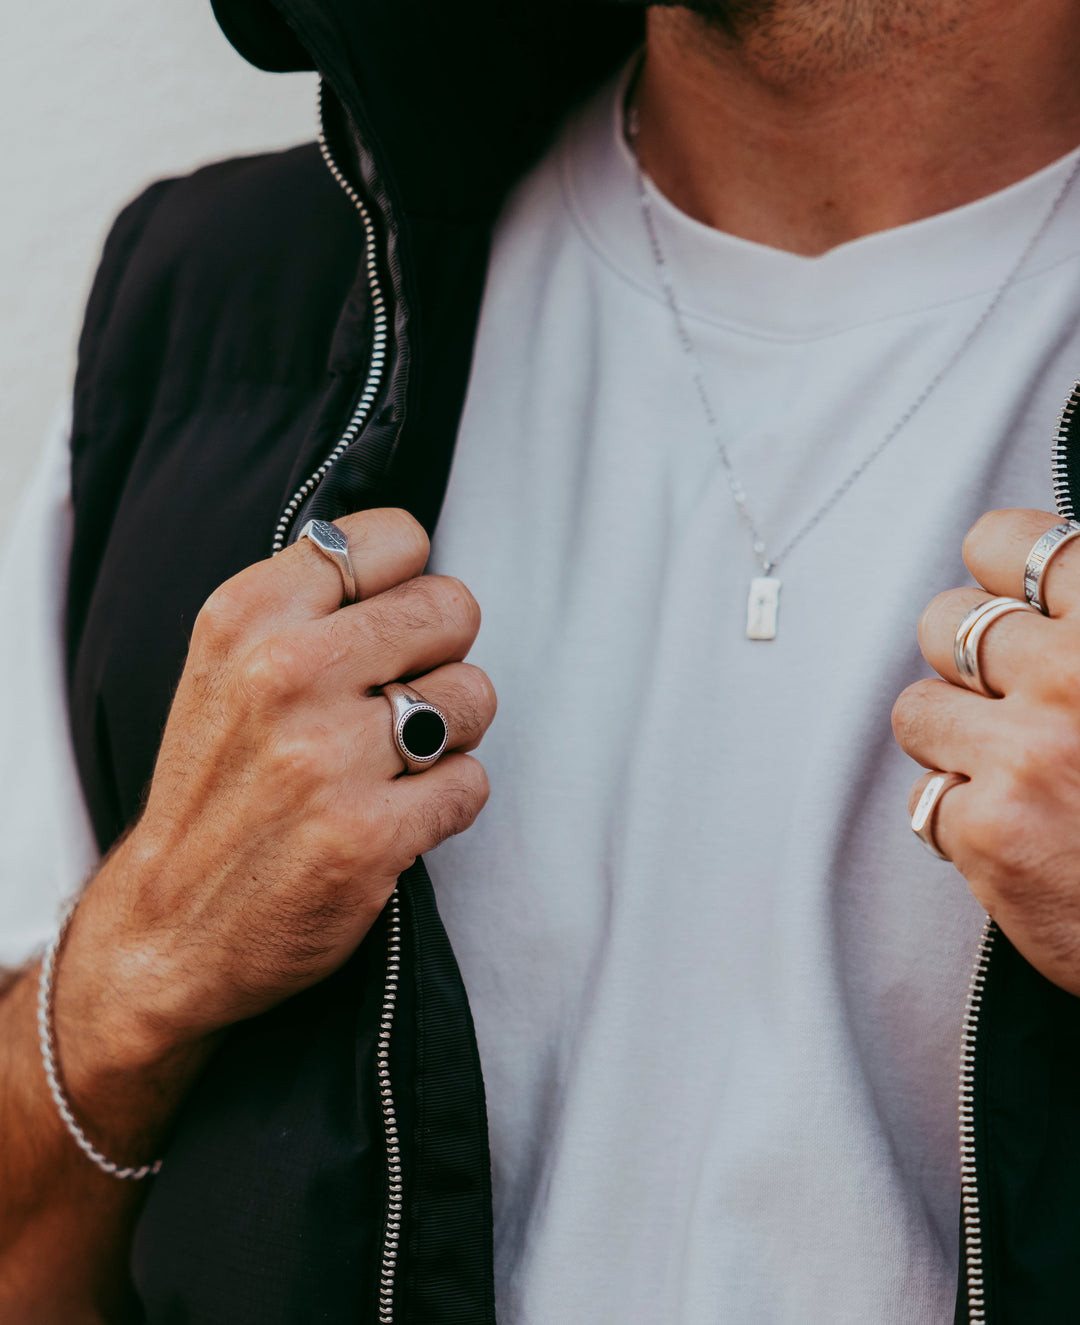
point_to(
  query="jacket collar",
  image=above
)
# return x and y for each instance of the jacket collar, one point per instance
(454, 101)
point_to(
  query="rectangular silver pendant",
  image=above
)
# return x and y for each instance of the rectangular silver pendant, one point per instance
(763, 608)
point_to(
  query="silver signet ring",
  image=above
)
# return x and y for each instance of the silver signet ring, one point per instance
(922, 821)
(420, 729)
(332, 543)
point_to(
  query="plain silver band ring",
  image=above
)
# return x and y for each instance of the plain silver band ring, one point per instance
(333, 544)
(969, 634)
(419, 743)
(922, 821)
(1040, 556)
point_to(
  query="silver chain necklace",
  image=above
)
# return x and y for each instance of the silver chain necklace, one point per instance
(763, 603)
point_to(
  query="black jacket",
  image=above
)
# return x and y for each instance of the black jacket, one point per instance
(288, 336)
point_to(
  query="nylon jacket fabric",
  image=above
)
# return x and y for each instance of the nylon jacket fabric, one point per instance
(228, 338)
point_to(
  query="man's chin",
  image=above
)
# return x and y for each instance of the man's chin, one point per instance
(731, 16)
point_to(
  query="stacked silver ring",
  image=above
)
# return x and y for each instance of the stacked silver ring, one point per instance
(1039, 559)
(969, 634)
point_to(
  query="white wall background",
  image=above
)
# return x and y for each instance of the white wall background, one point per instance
(97, 100)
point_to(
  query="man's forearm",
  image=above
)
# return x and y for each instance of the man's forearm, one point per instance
(65, 1226)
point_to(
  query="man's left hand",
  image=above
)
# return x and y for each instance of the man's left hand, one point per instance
(1013, 830)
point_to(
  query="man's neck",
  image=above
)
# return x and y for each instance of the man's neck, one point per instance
(804, 128)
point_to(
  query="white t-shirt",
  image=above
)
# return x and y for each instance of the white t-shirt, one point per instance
(47, 845)
(718, 986)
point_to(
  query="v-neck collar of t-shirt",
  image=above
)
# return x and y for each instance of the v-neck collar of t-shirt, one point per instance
(750, 287)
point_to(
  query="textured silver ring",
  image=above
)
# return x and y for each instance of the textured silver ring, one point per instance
(420, 728)
(1040, 556)
(332, 543)
(922, 821)
(969, 634)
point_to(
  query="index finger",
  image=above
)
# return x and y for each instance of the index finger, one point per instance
(386, 547)
(996, 552)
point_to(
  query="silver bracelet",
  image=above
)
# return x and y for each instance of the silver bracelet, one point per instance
(47, 1041)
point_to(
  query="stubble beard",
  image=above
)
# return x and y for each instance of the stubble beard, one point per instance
(813, 39)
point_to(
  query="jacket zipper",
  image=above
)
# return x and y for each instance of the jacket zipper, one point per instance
(1059, 465)
(394, 1187)
(971, 1217)
(377, 366)
(969, 1185)
(391, 1236)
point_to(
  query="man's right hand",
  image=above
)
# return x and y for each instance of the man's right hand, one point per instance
(277, 820)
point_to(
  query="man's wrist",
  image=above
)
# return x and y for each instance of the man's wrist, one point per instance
(123, 1069)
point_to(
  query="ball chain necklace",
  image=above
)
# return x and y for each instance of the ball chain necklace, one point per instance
(763, 602)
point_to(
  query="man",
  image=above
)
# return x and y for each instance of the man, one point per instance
(793, 298)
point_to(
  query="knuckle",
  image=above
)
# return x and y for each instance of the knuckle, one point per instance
(909, 711)
(451, 813)
(398, 612)
(390, 531)
(274, 671)
(463, 711)
(471, 700)
(457, 805)
(456, 604)
(306, 760)
(901, 714)
(222, 617)
(943, 606)
(977, 533)
(342, 840)
(481, 691)
(408, 533)
(481, 785)
(429, 603)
